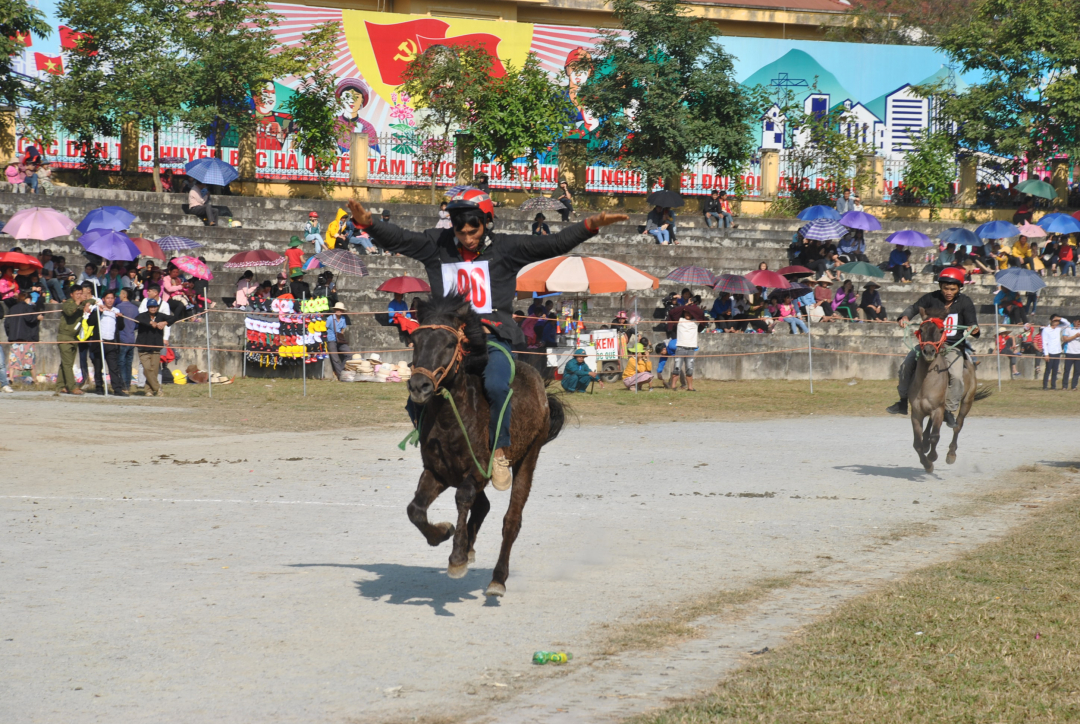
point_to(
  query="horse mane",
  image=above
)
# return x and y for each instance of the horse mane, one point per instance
(455, 311)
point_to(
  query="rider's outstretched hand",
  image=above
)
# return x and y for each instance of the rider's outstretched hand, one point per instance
(597, 221)
(360, 216)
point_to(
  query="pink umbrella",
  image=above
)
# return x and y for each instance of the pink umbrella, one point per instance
(38, 223)
(766, 278)
(1031, 230)
(194, 267)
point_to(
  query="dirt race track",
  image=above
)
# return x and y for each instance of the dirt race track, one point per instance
(153, 571)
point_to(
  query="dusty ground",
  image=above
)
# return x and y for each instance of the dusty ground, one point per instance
(155, 569)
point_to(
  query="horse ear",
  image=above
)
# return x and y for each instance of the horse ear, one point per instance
(924, 313)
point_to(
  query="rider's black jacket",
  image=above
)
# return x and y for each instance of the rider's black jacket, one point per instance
(506, 254)
(961, 306)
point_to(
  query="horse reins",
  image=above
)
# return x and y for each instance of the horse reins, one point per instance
(440, 373)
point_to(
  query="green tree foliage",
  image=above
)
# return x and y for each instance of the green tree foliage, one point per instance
(443, 84)
(520, 115)
(1028, 104)
(665, 94)
(313, 106)
(18, 19)
(234, 54)
(931, 170)
(901, 22)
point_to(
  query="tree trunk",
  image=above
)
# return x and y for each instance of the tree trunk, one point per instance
(434, 176)
(157, 159)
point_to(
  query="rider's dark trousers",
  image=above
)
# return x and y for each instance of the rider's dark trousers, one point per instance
(496, 388)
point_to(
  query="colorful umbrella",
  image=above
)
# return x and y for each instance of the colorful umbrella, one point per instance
(16, 258)
(311, 264)
(212, 171)
(113, 218)
(860, 220)
(960, 236)
(109, 244)
(455, 190)
(766, 278)
(177, 243)
(1019, 280)
(591, 274)
(194, 267)
(148, 248)
(665, 199)
(404, 285)
(256, 257)
(693, 275)
(861, 268)
(735, 284)
(1037, 187)
(38, 223)
(1059, 224)
(1032, 231)
(997, 230)
(342, 261)
(541, 203)
(812, 213)
(823, 229)
(796, 271)
(909, 237)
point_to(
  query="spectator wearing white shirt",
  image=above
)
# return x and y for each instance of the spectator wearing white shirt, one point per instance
(1051, 342)
(1070, 338)
(686, 342)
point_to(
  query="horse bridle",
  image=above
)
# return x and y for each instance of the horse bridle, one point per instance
(936, 345)
(441, 373)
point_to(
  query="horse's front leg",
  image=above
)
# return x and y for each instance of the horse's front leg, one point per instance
(427, 490)
(480, 508)
(916, 427)
(459, 557)
(935, 433)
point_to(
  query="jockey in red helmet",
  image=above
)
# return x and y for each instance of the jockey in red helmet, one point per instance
(491, 262)
(960, 317)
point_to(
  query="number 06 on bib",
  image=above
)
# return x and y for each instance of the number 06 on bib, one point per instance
(471, 279)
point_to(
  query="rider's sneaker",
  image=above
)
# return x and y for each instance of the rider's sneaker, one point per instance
(900, 408)
(950, 419)
(501, 475)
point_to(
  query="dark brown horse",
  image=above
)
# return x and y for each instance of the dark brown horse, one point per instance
(930, 386)
(449, 353)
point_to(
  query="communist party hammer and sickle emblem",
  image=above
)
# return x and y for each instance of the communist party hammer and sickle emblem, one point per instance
(408, 51)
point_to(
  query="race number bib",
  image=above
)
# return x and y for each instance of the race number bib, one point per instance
(472, 279)
(951, 321)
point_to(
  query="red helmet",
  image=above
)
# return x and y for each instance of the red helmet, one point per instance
(313, 214)
(951, 275)
(472, 199)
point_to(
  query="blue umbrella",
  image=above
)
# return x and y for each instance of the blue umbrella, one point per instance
(960, 236)
(1020, 280)
(111, 218)
(860, 220)
(822, 229)
(176, 243)
(212, 171)
(909, 237)
(997, 230)
(1059, 224)
(109, 244)
(812, 213)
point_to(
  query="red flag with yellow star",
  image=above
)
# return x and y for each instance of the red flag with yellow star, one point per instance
(49, 64)
(24, 38)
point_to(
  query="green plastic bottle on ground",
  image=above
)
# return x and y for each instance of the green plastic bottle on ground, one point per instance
(551, 657)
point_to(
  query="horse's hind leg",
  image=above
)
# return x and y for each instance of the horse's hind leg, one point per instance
(480, 508)
(427, 490)
(459, 557)
(970, 386)
(519, 494)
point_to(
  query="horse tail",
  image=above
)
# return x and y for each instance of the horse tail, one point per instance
(982, 393)
(558, 409)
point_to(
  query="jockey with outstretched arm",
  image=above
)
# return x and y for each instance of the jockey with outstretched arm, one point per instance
(483, 266)
(960, 317)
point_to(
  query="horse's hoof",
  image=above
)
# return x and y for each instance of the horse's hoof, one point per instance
(928, 467)
(950, 458)
(457, 571)
(472, 556)
(932, 456)
(495, 589)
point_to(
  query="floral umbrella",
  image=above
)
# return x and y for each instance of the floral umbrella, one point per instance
(194, 267)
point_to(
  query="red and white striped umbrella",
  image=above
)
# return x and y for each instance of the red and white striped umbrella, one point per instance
(591, 274)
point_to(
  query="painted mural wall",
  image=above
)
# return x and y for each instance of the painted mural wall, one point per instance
(372, 49)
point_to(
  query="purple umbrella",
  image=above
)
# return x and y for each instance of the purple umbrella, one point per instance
(694, 276)
(176, 243)
(860, 220)
(734, 284)
(109, 244)
(909, 237)
(823, 230)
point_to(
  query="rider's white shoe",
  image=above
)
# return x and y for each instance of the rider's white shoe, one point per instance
(502, 477)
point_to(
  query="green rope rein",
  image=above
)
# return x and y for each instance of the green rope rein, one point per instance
(912, 347)
(413, 438)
